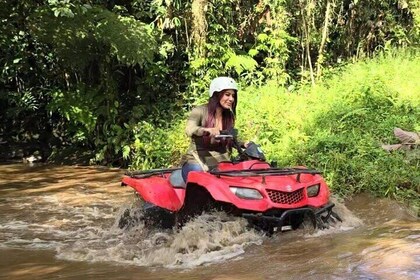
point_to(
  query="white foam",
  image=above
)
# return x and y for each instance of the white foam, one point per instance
(207, 239)
(349, 221)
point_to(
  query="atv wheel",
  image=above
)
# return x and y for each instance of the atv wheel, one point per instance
(148, 214)
(130, 218)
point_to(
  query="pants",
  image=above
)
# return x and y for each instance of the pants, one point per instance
(188, 167)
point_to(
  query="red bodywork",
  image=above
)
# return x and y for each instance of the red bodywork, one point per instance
(278, 191)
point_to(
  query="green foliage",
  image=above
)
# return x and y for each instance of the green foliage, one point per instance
(339, 126)
(242, 42)
(240, 63)
(95, 33)
(77, 109)
(356, 29)
(414, 7)
(156, 147)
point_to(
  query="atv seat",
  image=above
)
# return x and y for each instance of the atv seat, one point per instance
(176, 179)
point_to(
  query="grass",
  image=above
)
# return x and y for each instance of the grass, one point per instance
(339, 125)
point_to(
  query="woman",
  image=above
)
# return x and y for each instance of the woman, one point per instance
(205, 122)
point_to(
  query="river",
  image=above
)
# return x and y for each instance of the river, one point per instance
(62, 222)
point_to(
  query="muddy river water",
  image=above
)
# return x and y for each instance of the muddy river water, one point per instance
(60, 222)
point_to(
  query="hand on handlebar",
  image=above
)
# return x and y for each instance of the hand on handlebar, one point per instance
(212, 131)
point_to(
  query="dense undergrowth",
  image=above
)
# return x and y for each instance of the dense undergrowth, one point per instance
(340, 125)
(337, 127)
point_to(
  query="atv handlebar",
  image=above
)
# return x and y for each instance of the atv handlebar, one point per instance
(251, 151)
(223, 136)
(232, 134)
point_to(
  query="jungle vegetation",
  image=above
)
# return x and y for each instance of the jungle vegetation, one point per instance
(323, 83)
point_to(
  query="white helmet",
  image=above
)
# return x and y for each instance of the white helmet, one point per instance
(222, 83)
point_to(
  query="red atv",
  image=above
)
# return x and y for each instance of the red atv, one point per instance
(270, 198)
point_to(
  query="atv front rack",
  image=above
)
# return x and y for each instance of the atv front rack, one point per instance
(230, 173)
(318, 217)
(149, 173)
(266, 172)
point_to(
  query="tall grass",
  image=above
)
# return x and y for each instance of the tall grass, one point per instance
(339, 125)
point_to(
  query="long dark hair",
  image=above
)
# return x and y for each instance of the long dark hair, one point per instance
(228, 116)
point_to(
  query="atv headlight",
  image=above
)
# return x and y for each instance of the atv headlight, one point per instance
(246, 193)
(313, 190)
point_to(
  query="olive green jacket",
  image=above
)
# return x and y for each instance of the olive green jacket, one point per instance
(208, 156)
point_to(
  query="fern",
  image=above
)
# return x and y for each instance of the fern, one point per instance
(240, 63)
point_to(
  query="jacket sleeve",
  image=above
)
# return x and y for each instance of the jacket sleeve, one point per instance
(194, 123)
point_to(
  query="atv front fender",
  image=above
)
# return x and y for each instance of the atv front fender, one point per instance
(157, 191)
(220, 192)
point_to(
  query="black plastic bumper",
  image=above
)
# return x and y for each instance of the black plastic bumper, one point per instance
(279, 221)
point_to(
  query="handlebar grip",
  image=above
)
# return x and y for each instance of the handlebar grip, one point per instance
(222, 136)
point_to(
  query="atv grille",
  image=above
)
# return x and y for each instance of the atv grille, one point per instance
(285, 197)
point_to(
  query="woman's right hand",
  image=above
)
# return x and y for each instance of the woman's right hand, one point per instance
(212, 131)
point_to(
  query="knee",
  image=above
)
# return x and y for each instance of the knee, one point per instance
(188, 167)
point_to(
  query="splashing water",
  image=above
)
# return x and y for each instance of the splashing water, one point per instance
(92, 234)
(350, 220)
(208, 238)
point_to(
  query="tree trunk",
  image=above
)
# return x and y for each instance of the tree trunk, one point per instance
(305, 28)
(199, 27)
(320, 59)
